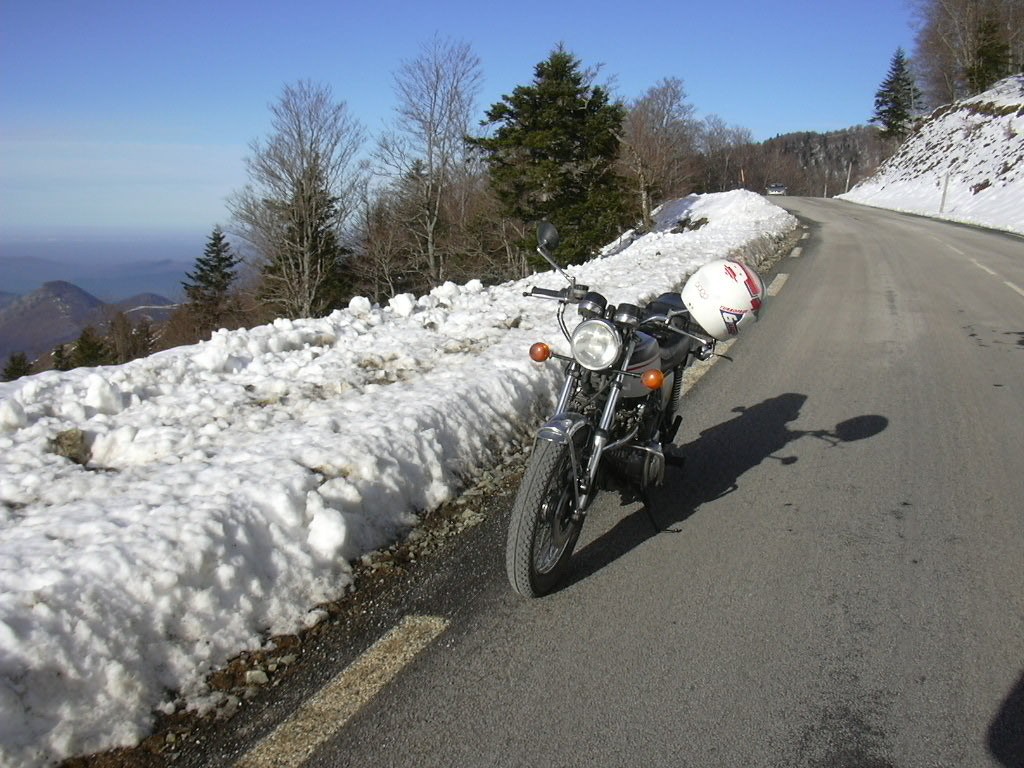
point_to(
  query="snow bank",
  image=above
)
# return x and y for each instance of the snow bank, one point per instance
(219, 491)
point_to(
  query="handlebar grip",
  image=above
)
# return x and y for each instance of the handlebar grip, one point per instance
(547, 292)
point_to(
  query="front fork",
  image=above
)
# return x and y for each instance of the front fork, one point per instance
(564, 425)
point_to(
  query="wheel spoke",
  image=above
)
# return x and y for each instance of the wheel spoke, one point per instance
(556, 524)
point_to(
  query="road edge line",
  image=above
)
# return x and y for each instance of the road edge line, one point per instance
(295, 739)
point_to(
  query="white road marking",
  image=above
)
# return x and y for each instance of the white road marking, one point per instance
(992, 272)
(796, 252)
(953, 248)
(805, 235)
(777, 283)
(979, 265)
(292, 742)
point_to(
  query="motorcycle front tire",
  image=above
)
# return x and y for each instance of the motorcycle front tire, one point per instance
(544, 528)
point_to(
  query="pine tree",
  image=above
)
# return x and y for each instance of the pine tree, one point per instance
(90, 350)
(18, 365)
(142, 338)
(209, 284)
(896, 99)
(553, 155)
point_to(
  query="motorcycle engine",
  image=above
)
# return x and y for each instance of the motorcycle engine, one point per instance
(645, 469)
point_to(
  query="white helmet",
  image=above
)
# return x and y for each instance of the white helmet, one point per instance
(722, 296)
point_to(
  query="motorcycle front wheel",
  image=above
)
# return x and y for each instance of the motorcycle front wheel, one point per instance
(543, 530)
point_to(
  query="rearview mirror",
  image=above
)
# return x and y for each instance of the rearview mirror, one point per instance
(547, 236)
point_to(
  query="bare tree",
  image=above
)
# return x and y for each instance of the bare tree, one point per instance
(658, 143)
(478, 238)
(944, 45)
(723, 150)
(425, 153)
(955, 41)
(1011, 15)
(383, 264)
(303, 189)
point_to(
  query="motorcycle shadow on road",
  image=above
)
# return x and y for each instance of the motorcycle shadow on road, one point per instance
(715, 463)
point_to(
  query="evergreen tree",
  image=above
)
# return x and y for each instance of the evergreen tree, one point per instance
(143, 340)
(90, 350)
(18, 365)
(896, 99)
(208, 285)
(554, 152)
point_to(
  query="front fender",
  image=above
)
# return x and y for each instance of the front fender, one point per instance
(562, 429)
(572, 430)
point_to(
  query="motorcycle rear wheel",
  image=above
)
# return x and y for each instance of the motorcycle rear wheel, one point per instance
(543, 530)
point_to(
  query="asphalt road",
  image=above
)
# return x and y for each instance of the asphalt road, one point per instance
(839, 579)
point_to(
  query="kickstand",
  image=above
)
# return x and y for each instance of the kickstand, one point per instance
(674, 458)
(645, 497)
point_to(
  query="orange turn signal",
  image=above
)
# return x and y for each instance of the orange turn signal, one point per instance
(540, 352)
(653, 379)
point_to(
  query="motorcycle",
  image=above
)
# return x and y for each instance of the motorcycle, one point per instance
(617, 413)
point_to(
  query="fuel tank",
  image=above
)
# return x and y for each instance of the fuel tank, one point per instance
(646, 355)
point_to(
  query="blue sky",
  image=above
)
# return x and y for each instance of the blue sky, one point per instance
(135, 116)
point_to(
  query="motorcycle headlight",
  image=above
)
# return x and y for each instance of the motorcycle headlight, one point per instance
(596, 344)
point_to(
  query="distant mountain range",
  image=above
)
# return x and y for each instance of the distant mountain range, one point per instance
(57, 313)
(20, 274)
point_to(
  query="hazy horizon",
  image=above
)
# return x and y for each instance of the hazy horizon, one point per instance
(11, 238)
(111, 266)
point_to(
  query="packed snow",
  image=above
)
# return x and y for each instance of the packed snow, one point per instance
(227, 486)
(965, 163)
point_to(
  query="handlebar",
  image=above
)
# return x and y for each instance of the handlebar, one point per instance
(703, 352)
(654, 320)
(571, 294)
(662, 320)
(547, 293)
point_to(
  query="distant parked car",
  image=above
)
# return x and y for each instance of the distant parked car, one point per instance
(777, 189)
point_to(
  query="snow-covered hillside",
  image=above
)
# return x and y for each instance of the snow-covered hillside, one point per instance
(965, 163)
(217, 492)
